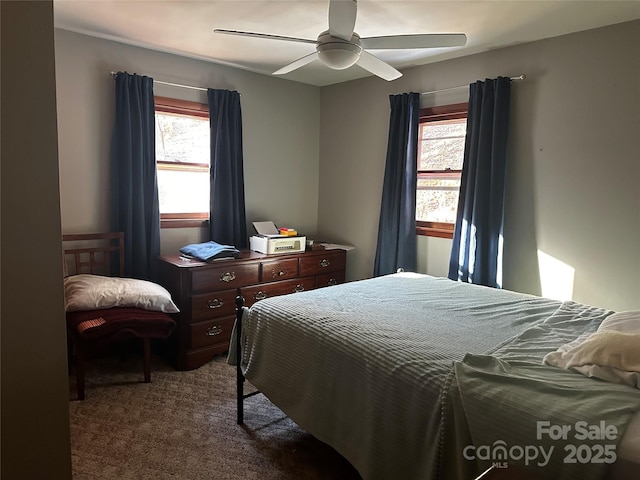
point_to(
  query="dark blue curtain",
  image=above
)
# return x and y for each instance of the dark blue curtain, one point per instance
(134, 186)
(397, 242)
(227, 216)
(476, 254)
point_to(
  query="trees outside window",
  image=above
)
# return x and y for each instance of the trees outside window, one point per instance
(441, 138)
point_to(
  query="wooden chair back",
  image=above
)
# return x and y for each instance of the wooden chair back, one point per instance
(94, 253)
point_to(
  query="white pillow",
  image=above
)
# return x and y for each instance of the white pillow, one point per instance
(628, 321)
(611, 353)
(91, 292)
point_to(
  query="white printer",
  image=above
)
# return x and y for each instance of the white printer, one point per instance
(269, 240)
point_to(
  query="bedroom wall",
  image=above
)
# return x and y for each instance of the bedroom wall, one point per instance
(35, 389)
(572, 208)
(575, 115)
(280, 133)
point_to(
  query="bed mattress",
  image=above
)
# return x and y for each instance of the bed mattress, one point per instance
(382, 369)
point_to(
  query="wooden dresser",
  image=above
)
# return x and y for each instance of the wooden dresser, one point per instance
(206, 292)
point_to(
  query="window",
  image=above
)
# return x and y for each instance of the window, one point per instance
(441, 138)
(182, 159)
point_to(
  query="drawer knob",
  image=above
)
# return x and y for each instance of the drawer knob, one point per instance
(332, 281)
(260, 295)
(298, 288)
(228, 277)
(215, 303)
(213, 331)
(324, 262)
(281, 273)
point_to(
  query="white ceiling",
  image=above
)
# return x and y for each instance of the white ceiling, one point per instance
(186, 27)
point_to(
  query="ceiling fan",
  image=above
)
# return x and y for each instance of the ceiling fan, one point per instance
(340, 47)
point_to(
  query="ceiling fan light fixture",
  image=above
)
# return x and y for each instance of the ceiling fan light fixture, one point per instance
(338, 55)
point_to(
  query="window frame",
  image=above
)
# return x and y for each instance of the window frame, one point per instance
(190, 109)
(455, 111)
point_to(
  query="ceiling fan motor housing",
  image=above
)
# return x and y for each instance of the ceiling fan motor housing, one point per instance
(336, 52)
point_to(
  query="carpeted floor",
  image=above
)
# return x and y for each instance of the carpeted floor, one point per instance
(182, 426)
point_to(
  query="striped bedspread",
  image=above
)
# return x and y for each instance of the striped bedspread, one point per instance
(368, 367)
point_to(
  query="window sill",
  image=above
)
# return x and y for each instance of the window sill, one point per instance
(183, 223)
(435, 232)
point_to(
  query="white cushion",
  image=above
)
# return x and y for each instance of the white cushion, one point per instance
(91, 292)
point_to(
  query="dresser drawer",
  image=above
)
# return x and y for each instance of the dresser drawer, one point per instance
(213, 304)
(278, 269)
(329, 279)
(316, 264)
(211, 332)
(224, 277)
(260, 292)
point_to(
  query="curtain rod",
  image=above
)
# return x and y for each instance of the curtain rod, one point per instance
(113, 74)
(519, 77)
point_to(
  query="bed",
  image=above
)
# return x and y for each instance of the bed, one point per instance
(416, 377)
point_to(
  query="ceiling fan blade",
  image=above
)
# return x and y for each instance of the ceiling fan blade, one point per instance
(342, 18)
(376, 66)
(297, 64)
(263, 35)
(433, 40)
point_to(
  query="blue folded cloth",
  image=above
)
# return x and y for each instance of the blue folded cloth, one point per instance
(208, 251)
